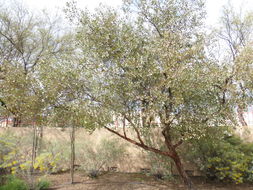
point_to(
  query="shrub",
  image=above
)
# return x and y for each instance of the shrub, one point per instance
(57, 149)
(227, 160)
(93, 173)
(14, 183)
(95, 158)
(47, 163)
(42, 184)
(18, 162)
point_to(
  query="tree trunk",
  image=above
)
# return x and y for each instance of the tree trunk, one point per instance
(176, 158)
(40, 139)
(34, 148)
(180, 168)
(72, 160)
(7, 121)
(16, 122)
(34, 145)
(172, 153)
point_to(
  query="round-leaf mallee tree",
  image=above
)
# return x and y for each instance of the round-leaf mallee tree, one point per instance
(149, 68)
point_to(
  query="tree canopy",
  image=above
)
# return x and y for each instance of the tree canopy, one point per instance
(148, 65)
(150, 68)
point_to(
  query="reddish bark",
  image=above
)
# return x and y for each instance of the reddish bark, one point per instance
(145, 147)
(172, 153)
(180, 168)
(176, 158)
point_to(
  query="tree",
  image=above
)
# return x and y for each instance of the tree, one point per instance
(149, 68)
(236, 35)
(68, 107)
(26, 41)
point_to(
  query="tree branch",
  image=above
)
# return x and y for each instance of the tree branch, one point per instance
(143, 146)
(153, 24)
(124, 127)
(136, 130)
(178, 143)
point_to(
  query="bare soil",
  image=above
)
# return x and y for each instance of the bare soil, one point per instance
(131, 181)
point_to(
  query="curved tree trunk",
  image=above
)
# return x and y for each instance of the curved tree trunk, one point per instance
(180, 168)
(176, 158)
(172, 153)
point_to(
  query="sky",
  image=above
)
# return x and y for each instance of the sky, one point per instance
(58, 4)
(214, 7)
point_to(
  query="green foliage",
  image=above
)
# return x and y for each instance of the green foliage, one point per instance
(42, 184)
(95, 158)
(228, 159)
(26, 42)
(149, 68)
(13, 183)
(140, 60)
(9, 154)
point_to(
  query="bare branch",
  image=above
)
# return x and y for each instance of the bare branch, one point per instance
(124, 127)
(178, 143)
(153, 24)
(135, 128)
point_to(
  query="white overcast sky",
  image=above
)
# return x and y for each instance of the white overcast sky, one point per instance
(213, 6)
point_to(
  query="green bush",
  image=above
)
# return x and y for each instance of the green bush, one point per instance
(42, 184)
(228, 159)
(14, 183)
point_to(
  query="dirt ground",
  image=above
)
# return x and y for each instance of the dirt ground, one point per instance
(123, 181)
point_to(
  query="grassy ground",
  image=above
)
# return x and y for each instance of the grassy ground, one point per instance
(123, 181)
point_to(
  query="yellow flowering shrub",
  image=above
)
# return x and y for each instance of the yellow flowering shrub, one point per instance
(12, 158)
(227, 160)
(47, 162)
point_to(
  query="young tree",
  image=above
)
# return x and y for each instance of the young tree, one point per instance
(68, 105)
(26, 41)
(149, 68)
